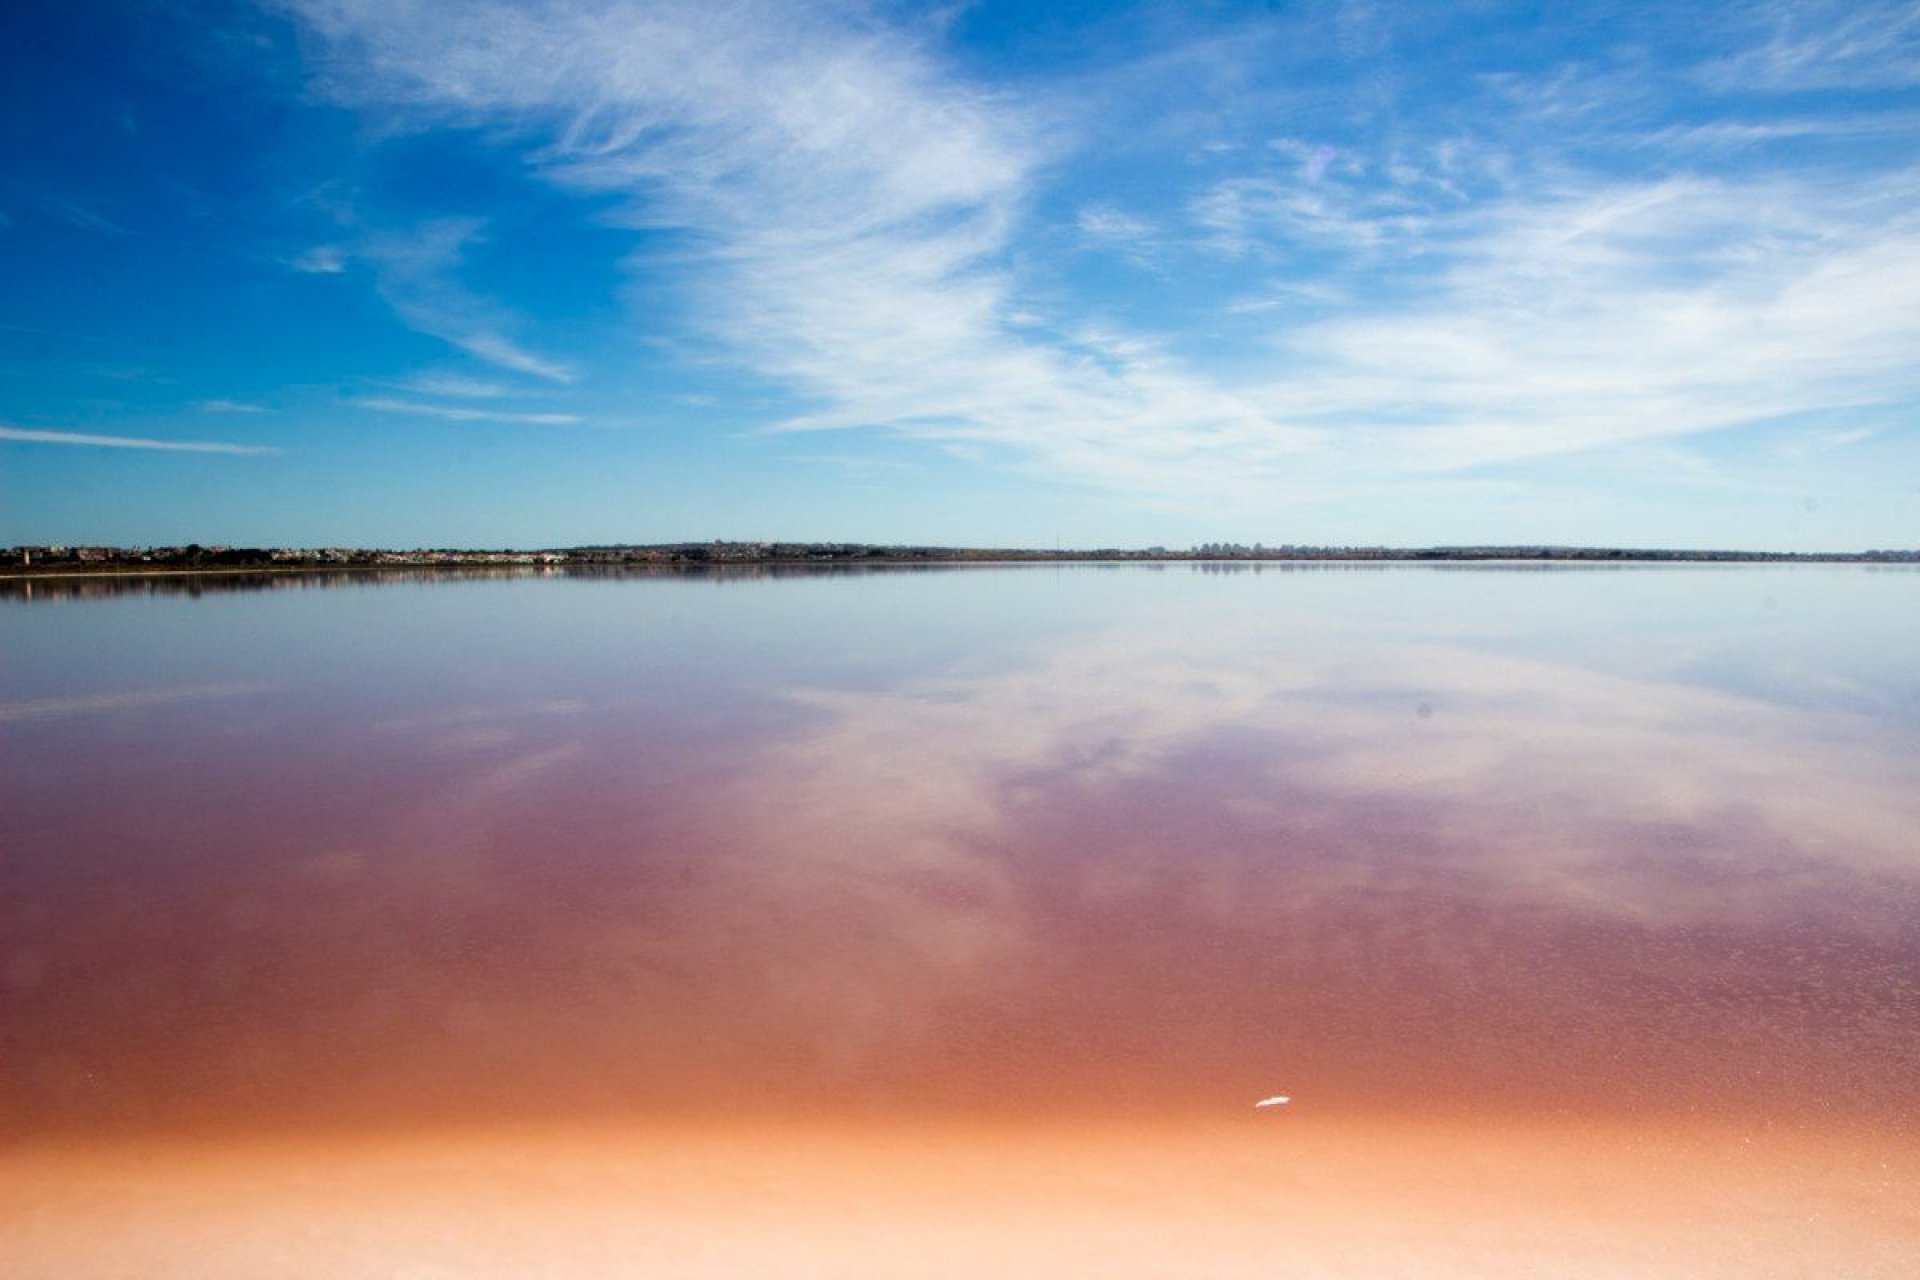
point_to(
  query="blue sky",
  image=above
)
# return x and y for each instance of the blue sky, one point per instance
(518, 274)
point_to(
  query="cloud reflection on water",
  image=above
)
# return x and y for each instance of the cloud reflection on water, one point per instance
(1544, 773)
(61, 708)
(1157, 863)
(1553, 861)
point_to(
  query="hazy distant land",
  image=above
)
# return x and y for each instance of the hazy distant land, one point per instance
(58, 559)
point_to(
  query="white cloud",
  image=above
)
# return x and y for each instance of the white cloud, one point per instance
(855, 207)
(80, 216)
(321, 260)
(1812, 444)
(418, 277)
(1245, 215)
(1827, 44)
(1626, 311)
(439, 384)
(229, 406)
(1732, 135)
(417, 274)
(856, 201)
(464, 413)
(493, 348)
(1101, 223)
(128, 442)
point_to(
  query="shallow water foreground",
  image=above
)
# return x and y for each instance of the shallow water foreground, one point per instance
(940, 922)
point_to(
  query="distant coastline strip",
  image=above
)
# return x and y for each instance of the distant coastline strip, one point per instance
(51, 560)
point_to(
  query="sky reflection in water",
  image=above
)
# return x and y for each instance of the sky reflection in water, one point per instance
(1033, 842)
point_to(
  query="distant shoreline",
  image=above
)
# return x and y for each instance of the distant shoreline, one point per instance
(48, 562)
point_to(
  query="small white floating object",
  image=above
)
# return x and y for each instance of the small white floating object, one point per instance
(1277, 1100)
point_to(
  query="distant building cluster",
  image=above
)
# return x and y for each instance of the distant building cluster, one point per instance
(194, 557)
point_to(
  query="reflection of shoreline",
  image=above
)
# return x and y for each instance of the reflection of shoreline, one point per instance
(193, 582)
(66, 561)
(76, 584)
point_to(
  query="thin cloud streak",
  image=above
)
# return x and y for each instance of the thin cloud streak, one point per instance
(454, 385)
(129, 442)
(417, 274)
(321, 260)
(1825, 45)
(462, 413)
(82, 217)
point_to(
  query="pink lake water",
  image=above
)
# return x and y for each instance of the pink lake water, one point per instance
(948, 922)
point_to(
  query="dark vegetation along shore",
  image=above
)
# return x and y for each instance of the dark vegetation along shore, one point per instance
(40, 561)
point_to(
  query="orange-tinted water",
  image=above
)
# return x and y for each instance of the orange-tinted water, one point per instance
(941, 923)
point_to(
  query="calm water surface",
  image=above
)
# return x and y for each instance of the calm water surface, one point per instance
(935, 922)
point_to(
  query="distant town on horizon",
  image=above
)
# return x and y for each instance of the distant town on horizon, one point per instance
(57, 559)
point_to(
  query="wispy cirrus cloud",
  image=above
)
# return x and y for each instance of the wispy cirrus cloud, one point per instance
(464, 413)
(128, 442)
(321, 260)
(1475, 295)
(1107, 225)
(1731, 135)
(446, 384)
(1269, 216)
(1826, 44)
(79, 215)
(417, 273)
(1812, 444)
(856, 202)
(1613, 311)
